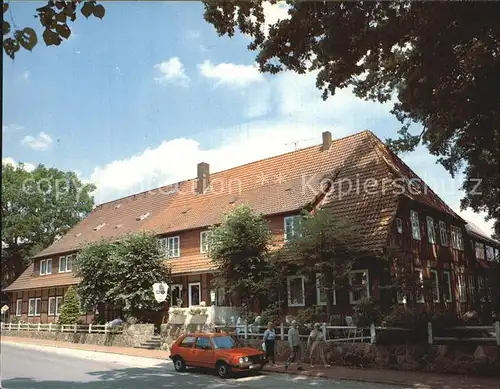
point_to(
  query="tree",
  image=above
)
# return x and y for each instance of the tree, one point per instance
(38, 207)
(325, 246)
(54, 18)
(443, 70)
(121, 274)
(70, 310)
(239, 249)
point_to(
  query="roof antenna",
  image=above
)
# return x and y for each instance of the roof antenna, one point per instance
(297, 142)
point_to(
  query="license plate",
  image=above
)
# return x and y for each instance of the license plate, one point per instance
(255, 366)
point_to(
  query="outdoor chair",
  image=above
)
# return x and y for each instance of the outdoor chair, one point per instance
(352, 333)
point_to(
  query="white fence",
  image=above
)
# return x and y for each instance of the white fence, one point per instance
(68, 328)
(353, 333)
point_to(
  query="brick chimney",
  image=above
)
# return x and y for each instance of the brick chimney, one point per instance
(327, 140)
(203, 177)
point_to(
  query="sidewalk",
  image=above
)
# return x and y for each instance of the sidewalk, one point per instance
(391, 377)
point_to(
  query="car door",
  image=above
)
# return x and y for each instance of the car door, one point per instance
(203, 352)
(186, 349)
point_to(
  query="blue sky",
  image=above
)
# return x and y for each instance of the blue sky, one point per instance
(137, 99)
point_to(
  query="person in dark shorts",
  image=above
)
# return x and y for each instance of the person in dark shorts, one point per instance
(294, 342)
(270, 341)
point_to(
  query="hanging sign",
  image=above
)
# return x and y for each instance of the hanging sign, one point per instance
(160, 290)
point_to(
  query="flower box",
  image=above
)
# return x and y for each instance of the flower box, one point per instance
(177, 319)
(199, 319)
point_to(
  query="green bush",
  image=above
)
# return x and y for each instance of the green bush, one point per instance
(70, 310)
(367, 312)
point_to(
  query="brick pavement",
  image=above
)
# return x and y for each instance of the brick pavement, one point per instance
(393, 377)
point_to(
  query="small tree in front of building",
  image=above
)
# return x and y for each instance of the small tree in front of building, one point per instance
(121, 274)
(70, 310)
(323, 247)
(239, 250)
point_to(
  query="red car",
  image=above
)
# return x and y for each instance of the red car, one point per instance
(215, 351)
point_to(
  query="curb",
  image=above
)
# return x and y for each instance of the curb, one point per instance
(341, 378)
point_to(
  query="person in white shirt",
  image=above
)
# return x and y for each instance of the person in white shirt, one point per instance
(294, 343)
(315, 342)
(269, 342)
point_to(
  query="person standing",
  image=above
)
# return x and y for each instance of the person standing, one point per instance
(270, 341)
(293, 342)
(315, 342)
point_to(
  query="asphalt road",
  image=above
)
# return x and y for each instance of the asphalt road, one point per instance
(42, 368)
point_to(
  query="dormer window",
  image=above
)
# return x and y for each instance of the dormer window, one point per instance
(99, 226)
(118, 225)
(77, 235)
(45, 267)
(143, 216)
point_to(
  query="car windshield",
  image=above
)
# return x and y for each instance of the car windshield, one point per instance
(223, 342)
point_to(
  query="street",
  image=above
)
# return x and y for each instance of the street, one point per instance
(26, 367)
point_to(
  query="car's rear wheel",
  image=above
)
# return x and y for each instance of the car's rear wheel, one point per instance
(223, 369)
(179, 364)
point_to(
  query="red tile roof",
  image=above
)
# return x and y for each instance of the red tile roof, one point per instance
(275, 185)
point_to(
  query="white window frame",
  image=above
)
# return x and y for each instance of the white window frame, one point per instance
(49, 268)
(415, 225)
(421, 277)
(434, 273)
(490, 253)
(53, 311)
(456, 238)
(43, 267)
(399, 225)
(37, 301)
(166, 242)
(203, 234)
(443, 234)
(318, 292)
(431, 230)
(59, 302)
(447, 276)
(289, 295)
(19, 307)
(62, 258)
(190, 297)
(285, 219)
(479, 248)
(70, 257)
(172, 287)
(351, 295)
(462, 288)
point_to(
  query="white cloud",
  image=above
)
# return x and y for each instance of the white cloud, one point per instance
(42, 142)
(230, 74)
(175, 160)
(272, 14)
(29, 167)
(11, 128)
(172, 71)
(26, 75)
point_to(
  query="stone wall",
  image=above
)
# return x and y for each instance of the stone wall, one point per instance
(132, 335)
(456, 358)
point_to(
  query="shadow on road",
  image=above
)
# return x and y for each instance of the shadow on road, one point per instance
(161, 376)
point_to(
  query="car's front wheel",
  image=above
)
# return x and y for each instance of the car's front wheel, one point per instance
(179, 364)
(223, 369)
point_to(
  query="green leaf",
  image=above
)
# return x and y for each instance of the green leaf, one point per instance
(51, 38)
(6, 27)
(87, 9)
(27, 38)
(63, 30)
(11, 46)
(99, 11)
